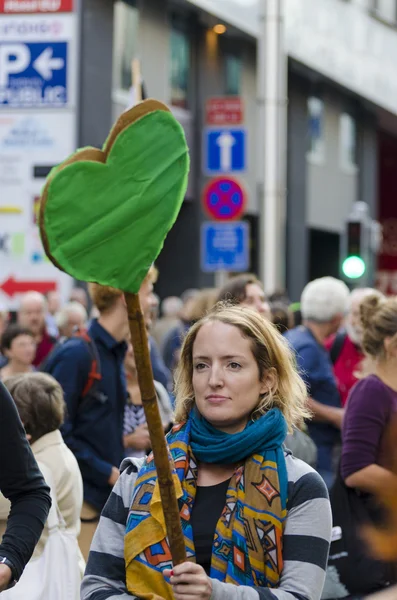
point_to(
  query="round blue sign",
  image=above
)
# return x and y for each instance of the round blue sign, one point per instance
(224, 199)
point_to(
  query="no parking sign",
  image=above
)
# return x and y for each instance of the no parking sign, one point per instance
(224, 199)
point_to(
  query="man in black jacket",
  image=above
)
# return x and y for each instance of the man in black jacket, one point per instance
(22, 483)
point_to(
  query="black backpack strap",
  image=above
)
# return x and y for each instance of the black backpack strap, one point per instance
(337, 346)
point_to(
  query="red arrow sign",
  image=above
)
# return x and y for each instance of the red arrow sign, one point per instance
(12, 287)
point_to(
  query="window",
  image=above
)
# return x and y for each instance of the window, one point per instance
(386, 10)
(233, 70)
(347, 141)
(125, 46)
(316, 129)
(180, 64)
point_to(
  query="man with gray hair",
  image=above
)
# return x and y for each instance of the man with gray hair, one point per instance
(72, 316)
(345, 347)
(323, 305)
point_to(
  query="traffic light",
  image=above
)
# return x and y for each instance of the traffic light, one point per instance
(354, 265)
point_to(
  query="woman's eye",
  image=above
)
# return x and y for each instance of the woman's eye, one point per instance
(200, 366)
(234, 366)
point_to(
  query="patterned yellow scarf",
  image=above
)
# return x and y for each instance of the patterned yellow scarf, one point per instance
(247, 548)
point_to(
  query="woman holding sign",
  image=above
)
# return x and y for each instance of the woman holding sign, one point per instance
(256, 521)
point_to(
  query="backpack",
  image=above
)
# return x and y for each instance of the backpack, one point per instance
(351, 566)
(94, 375)
(337, 346)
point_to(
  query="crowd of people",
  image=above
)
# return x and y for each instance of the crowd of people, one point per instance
(266, 405)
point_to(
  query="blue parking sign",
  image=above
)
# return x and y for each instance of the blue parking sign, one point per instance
(225, 246)
(224, 151)
(33, 74)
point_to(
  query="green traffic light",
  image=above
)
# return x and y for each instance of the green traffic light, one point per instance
(353, 267)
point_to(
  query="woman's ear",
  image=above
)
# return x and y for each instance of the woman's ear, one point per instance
(269, 381)
(390, 344)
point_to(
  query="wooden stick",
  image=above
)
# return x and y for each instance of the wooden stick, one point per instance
(169, 501)
(136, 79)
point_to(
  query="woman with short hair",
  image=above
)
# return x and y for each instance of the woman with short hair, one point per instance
(39, 401)
(19, 348)
(367, 457)
(372, 403)
(256, 521)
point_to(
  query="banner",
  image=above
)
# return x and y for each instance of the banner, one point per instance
(15, 7)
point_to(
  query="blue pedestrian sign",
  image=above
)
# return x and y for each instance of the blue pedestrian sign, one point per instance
(225, 151)
(225, 246)
(33, 74)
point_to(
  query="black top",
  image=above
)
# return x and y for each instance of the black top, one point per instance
(208, 506)
(22, 483)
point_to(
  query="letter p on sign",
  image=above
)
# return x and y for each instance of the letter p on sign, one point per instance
(14, 58)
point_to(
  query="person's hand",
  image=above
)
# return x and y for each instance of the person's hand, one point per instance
(115, 474)
(189, 581)
(139, 440)
(5, 577)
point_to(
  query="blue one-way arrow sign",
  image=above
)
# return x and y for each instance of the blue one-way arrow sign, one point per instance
(224, 151)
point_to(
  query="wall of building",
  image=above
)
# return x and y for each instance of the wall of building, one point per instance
(95, 114)
(332, 186)
(320, 191)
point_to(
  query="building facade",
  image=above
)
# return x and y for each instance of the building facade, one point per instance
(342, 115)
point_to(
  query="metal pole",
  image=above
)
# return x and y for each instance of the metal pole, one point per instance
(272, 116)
(221, 278)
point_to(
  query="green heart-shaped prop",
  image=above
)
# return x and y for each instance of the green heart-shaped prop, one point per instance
(105, 213)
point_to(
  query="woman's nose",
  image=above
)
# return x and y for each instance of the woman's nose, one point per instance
(216, 377)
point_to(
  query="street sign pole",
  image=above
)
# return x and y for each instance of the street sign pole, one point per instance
(272, 117)
(225, 240)
(221, 278)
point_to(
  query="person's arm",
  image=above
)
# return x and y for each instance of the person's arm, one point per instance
(372, 479)
(71, 371)
(367, 416)
(104, 577)
(139, 439)
(306, 541)
(325, 413)
(23, 484)
(306, 544)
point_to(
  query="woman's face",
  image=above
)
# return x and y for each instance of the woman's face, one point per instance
(23, 349)
(255, 298)
(226, 380)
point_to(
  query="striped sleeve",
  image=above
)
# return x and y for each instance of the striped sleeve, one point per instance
(306, 541)
(307, 536)
(104, 577)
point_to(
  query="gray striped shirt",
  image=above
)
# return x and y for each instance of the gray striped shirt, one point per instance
(306, 542)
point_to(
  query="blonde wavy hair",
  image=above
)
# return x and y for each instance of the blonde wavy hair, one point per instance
(271, 351)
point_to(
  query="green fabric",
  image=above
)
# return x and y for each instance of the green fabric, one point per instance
(107, 222)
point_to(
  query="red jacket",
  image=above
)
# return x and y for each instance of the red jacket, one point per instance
(43, 349)
(346, 365)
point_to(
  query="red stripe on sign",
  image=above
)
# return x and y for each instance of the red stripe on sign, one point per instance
(30, 7)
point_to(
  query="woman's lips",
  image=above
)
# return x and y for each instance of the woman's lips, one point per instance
(215, 399)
